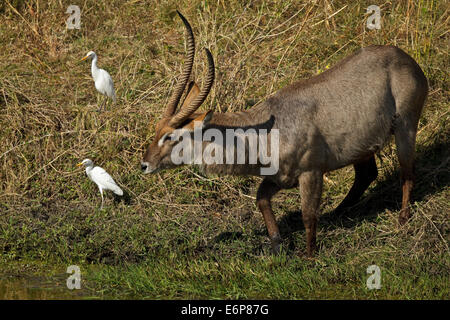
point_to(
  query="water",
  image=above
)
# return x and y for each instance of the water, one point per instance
(39, 288)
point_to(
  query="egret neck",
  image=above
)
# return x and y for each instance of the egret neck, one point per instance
(94, 68)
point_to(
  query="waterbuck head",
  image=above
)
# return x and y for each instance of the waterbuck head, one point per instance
(158, 153)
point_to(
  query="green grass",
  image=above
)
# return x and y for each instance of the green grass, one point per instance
(185, 235)
(280, 277)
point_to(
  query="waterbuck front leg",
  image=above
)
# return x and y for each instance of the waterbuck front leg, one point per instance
(311, 183)
(365, 173)
(266, 191)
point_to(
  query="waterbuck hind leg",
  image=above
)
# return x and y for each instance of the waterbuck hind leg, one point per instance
(405, 140)
(365, 173)
(266, 191)
(407, 186)
(311, 183)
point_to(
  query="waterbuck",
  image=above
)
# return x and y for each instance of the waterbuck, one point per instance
(340, 117)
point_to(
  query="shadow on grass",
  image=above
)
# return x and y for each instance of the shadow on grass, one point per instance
(432, 176)
(228, 236)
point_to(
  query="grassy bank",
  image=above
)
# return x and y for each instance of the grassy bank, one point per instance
(186, 235)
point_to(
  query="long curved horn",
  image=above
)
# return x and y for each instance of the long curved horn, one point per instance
(184, 113)
(178, 91)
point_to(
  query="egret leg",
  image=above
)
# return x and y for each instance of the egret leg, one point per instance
(98, 102)
(102, 104)
(101, 193)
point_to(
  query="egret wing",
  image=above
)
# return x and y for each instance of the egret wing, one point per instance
(108, 85)
(101, 177)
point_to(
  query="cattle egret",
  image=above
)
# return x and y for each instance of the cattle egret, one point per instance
(103, 180)
(103, 82)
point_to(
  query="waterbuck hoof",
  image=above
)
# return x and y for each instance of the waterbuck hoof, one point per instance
(402, 220)
(276, 246)
(403, 217)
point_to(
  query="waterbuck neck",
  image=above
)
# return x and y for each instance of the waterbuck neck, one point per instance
(237, 143)
(256, 117)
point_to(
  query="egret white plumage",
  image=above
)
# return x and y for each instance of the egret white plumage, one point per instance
(103, 81)
(103, 180)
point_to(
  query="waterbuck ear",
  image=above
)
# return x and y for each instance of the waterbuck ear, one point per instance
(164, 138)
(204, 118)
(171, 137)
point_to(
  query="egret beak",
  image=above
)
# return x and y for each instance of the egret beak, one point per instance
(79, 164)
(84, 58)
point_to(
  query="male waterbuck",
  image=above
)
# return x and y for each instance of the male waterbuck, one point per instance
(340, 117)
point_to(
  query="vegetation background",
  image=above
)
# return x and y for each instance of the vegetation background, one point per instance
(186, 235)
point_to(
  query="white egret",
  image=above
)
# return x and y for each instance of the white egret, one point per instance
(103, 180)
(103, 81)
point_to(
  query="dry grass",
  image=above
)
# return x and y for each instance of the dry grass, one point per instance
(48, 123)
